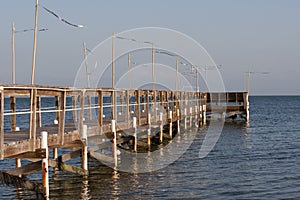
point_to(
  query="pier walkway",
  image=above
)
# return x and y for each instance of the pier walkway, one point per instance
(109, 118)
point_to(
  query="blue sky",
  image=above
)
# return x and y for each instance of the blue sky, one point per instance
(260, 35)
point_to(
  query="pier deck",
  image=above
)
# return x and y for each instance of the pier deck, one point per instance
(80, 115)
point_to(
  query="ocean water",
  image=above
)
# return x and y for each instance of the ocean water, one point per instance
(258, 160)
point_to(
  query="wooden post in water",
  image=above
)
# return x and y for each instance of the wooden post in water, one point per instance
(185, 118)
(246, 105)
(34, 41)
(191, 117)
(154, 105)
(135, 135)
(55, 156)
(161, 127)
(114, 131)
(171, 124)
(1, 123)
(84, 148)
(45, 172)
(149, 130)
(178, 120)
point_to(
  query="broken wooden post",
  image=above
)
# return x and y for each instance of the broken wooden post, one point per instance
(45, 172)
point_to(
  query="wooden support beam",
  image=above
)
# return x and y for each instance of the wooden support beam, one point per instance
(102, 158)
(18, 182)
(100, 109)
(13, 117)
(128, 109)
(81, 113)
(26, 169)
(65, 167)
(57, 107)
(61, 123)
(38, 114)
(89, 107)
(37, 154)
(32, 126)
(138, 109)
(74, 112)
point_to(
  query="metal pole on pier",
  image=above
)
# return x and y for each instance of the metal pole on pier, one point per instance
(153, 68)
(129, 86)
(86, 66)
(34, 42)
(13, 77)
(112, 60)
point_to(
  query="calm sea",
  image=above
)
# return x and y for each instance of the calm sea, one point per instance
(259, 160)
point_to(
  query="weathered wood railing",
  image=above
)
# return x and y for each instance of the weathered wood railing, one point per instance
(108, 104)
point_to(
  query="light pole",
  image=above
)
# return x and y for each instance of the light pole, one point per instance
(86, 66)
(13, 78)
(34, 42)
(248, 73)
(133, 40)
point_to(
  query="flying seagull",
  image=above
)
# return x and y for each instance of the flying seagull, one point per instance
(63, 20)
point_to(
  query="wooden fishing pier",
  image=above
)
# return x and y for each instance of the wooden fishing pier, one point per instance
(98, 115)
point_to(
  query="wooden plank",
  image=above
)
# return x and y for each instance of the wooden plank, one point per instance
(102, 158)
(18, 182)
(38, 153)
(1, 123)
(69, 168)
(26, 169)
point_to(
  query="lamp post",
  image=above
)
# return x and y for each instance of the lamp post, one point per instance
(13, 78)
(248, 73)
(86, 66)
(34, 42)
